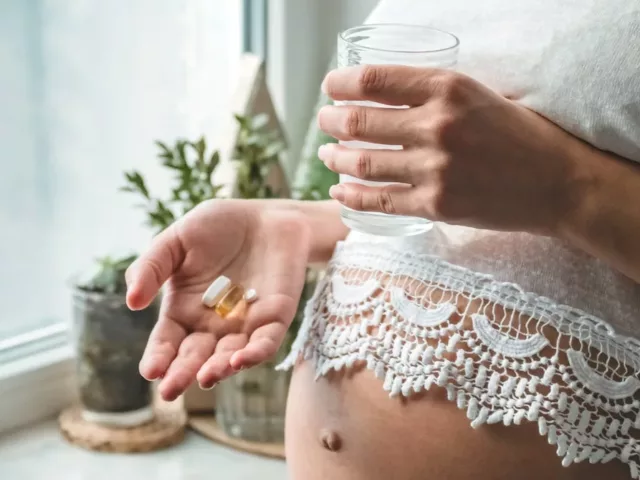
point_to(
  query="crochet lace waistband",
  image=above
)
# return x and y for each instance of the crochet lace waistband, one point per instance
(502, 354)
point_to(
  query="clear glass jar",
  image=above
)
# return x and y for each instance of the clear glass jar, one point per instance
(251, 404)
(391, 44)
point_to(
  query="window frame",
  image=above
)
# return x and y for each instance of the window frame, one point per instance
(255, 19)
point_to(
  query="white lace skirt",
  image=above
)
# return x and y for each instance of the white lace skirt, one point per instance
(503, 354)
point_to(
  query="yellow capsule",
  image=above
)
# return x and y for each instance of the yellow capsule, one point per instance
(229, 301)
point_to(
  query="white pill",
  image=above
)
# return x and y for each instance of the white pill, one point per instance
(216, 291)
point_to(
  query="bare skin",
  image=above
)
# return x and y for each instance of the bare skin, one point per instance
(346, 427)
(425, 437)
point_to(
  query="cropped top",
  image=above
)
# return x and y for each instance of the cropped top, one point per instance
(516, 327)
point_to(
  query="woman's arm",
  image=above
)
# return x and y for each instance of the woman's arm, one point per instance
(606, 220)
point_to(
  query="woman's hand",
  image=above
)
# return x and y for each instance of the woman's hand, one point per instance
(255, 245)
(470, 156)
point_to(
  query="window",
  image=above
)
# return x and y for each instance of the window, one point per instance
(86, 87)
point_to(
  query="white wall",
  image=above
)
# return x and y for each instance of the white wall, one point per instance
(302, 39)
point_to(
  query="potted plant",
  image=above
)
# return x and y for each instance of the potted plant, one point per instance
(109, 337)
(109, 342)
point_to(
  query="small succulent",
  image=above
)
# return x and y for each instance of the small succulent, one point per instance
(110, 275)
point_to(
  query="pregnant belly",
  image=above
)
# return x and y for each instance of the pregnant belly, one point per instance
(344, 426)
(486, 382)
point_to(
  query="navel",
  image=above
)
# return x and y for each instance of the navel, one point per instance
(330, 440)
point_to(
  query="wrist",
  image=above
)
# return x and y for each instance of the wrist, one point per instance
(595, 174)
(326, 226)
(580, 191)
(324, 223)
(605, 222)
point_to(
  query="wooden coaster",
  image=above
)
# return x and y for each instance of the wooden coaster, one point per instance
(206, 425)
(166, 429)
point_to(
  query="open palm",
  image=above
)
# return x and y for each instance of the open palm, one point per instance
(251, 242)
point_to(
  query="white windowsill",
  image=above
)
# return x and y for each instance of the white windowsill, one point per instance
(35, 387)
(39, 452)
(36, 377)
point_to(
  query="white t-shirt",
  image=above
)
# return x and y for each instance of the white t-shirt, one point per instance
(577, 63)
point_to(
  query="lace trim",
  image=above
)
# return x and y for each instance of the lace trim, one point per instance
(503, 354)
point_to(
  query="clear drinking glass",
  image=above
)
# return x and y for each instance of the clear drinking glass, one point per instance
(391, 44)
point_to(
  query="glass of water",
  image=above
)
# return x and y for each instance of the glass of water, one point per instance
(391, 44)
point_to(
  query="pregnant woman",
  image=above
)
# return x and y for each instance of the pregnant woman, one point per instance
(501, 344)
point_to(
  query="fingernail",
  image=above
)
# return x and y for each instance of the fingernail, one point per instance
(324, 151)
(328, 117)
(337, 193)
(323, 86)
(202, 387)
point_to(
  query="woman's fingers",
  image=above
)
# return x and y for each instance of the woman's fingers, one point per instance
(194, 351)
(149, 272)
(387, 84)
(380, 165)
(268, 320)
(218, 367)
(392, 199)
(263, 344)
(162, 347)
(387, 126)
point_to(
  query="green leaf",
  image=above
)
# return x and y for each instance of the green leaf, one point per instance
(240, 152)
(165, 152)
(214, 161)
(156, 219)
(254, 139)
(175, 194)
(136, 180)
(170, 163)
(165, 213)
(242, 121)
(259, 121)
(273, 149)
(193, 198)
(181, 146)
(200, 146)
